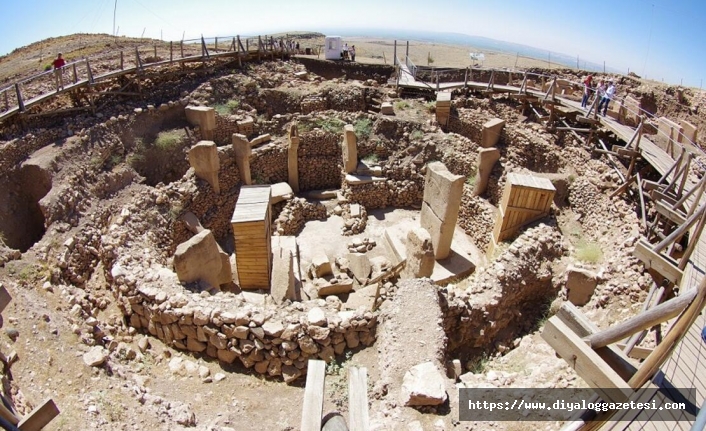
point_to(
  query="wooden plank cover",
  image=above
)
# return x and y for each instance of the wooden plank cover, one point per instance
(313, 405)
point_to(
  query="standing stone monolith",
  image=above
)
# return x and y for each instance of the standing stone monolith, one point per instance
(204, 117)
(243, 150)
(203, 157)
(350, 149)
(292, 158)
(442, 199)
(491, 132)
(487, 157)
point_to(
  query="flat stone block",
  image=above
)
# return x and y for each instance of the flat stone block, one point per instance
(340, 288)
(321, 266)
(386, 108)
(281, 192)
(362, 179)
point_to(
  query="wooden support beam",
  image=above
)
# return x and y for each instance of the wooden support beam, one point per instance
(612, 161)
(641, 195)
(670, 341)
(358, 415)
(669, 213)
(653, 259)
(586, 120)
(39, 417)
(8, 415)
(623, 187)
(681, 230)
(550, 90)
(20, 102)
(636, 352)
(693, 240)
(313, 396)
(587, 363)
(654, 316)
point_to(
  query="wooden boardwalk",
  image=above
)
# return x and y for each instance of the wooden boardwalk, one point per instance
(13, 102)
(686, 367)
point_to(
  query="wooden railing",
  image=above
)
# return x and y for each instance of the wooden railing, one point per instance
(21, 95)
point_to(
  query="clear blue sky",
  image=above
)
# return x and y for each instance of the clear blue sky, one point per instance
(659, 39)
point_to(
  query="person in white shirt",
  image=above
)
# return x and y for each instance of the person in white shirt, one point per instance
(605, 101)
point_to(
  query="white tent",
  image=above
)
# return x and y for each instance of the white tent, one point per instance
(333, 47)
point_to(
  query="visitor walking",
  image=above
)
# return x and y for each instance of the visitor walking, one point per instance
(352, 53)
(345, 52)
(607, 97)
(586, 90)
(59, 64)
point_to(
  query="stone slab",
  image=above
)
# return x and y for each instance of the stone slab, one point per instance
(362, 179)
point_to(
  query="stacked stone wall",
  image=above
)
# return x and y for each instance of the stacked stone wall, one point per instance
(320, 160)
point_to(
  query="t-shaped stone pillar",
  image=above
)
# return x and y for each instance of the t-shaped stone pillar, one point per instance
(204, 117)
(491, 132)
(292, 158)
(243, 150)
(350, 149)
(487, 157)
(203, 157)
(442, 199)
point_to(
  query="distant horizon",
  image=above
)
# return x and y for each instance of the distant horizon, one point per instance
(657, 39)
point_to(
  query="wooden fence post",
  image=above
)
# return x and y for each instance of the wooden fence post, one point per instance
(20, 102)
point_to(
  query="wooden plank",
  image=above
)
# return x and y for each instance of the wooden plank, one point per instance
(5, 298)
(587, 363)
(670, 214)
(654, 316)
(637, 352)
(40, 416)
(358, 415)
(313, 396)
(8, 415)
(660, 263)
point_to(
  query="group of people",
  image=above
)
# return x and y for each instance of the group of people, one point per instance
(289, 45)
(605, 92)
(348, 53)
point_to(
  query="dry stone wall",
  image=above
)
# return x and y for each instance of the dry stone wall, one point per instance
(477, 218)
(295, 213)
(320, 160)
(268, 164)
(507, 298)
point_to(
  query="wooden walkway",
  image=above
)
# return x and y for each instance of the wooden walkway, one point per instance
(686, 368)
(13, 101)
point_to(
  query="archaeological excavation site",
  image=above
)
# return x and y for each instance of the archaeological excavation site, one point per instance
(253, 239)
